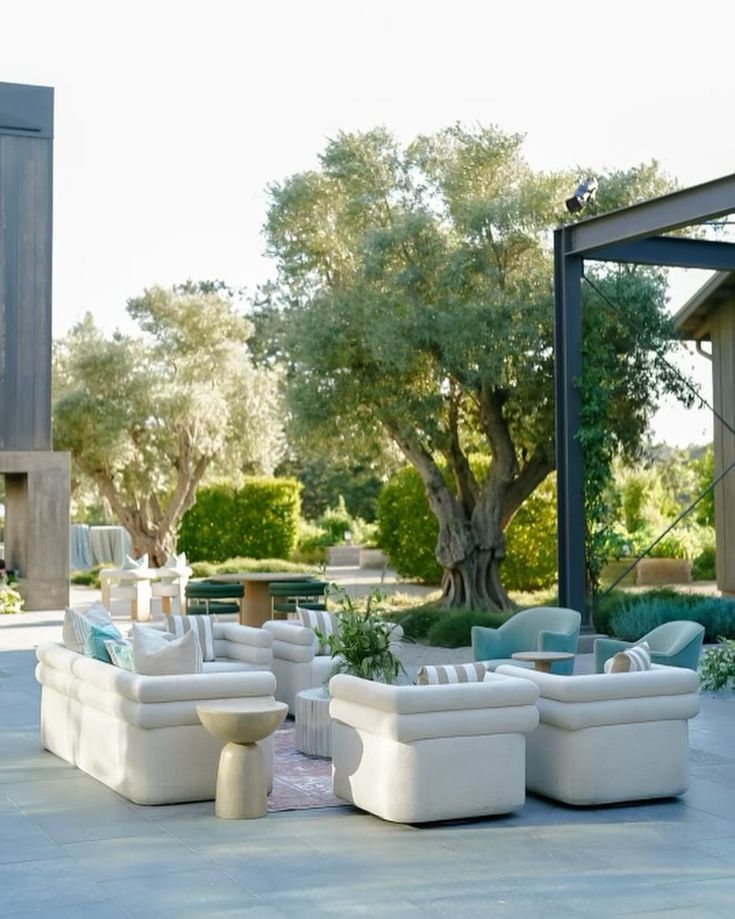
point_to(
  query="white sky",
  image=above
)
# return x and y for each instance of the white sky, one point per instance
(173, 117)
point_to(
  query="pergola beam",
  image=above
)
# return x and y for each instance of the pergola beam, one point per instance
(672, 251)
(669, 212)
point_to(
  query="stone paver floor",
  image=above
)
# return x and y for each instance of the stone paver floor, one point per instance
(70, 848)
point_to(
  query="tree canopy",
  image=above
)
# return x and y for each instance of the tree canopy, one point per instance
(146, 417)
(415, 290)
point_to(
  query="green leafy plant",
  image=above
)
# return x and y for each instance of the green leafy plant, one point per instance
(10, 600)
(362, 645)
(717, 667)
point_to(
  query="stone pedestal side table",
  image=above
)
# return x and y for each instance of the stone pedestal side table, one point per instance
(313, 734)
(241, 780)
(542, 660)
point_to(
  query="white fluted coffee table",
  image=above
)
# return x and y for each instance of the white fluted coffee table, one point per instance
(313, 734)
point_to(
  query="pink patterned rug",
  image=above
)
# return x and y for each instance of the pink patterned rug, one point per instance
(299, 781)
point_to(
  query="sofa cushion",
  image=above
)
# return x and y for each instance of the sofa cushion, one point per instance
(77, 625)
(451, 673)
(202, 625)
(319, 620)
(94, 643)
(632, 659)
(121, 653)
(154, 655)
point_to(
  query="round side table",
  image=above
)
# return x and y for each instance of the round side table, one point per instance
(542, 660)
(241, 782)
(313, 734)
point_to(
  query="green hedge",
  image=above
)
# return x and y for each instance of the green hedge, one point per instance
(259, 520)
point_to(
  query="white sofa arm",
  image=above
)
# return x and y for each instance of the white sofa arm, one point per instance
(291, 641)
(243, 643)
(410, 713)
(594, 687)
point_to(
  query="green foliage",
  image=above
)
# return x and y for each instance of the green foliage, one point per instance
(638, 614)
(233, 565)
(407, 530)
(530, 542)
(717, 666)
(89, 578)
(704, 565)
(454, 629)
(704, 472)
(417, 622)
(10, 600)
(258, 520)
(362, 644)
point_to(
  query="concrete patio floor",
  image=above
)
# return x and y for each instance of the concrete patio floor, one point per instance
(71, 848)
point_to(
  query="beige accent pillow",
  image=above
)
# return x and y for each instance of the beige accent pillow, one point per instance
(630, 660)
(156, 655)
(451, 673)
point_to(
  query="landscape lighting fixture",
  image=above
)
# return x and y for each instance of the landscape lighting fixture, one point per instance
(584, 193)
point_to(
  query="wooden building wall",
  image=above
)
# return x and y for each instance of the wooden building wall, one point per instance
(722, 331)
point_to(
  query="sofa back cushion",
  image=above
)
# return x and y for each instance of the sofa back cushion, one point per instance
(319, 620)
(78, 624)
(202, 625)
(451, 673)
(632, 659)
(155, 655)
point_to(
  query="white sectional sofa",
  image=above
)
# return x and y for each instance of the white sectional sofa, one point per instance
(607, 738)
(140, 735)
(412, 754)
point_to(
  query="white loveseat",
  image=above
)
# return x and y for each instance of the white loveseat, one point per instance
(140, 735)
(296, 663)
(606, 738)
(411, 754)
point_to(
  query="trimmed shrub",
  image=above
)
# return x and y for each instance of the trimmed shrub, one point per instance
(530, 542)
(259, 520)
(454, 630)
(634, 619)
(703, 566)
(407, 529)
(89, 578)
(417, 622)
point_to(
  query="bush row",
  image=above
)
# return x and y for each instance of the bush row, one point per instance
(629, 616)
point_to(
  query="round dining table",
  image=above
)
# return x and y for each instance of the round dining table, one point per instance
(255, 605)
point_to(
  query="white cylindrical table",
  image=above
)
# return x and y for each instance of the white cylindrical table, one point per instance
(241, 781)
(313, 734)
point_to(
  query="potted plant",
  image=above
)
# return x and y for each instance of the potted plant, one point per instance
(10, 600)
(363, 642)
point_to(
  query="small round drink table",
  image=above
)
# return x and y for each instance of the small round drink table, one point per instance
(542, 660)
(241, 781)
(313, 734)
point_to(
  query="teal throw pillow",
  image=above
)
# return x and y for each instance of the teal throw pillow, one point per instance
(94, 644)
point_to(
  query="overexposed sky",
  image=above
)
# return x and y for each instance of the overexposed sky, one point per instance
(173, 117)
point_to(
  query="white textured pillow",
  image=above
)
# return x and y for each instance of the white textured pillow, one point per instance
(177, 563)
(155, 655)
(636, 658)
(78, 624)
(321, 621)
(202, 625)
(451, 673)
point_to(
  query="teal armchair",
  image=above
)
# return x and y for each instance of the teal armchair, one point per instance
(544, 628)
(674, 644)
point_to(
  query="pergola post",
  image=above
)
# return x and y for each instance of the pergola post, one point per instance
(569, 458)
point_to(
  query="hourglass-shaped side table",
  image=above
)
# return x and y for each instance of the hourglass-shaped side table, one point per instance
(241, 778)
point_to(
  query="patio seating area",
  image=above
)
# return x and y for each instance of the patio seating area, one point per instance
(72, 847)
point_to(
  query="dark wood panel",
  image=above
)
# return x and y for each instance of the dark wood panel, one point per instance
(25, 292)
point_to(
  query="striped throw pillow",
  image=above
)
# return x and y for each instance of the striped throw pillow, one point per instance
(451, 673)
(78, 624)
(321, 621)
(202, 625)
(635, 658)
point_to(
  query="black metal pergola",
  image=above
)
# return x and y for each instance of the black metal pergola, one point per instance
(631, 234)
